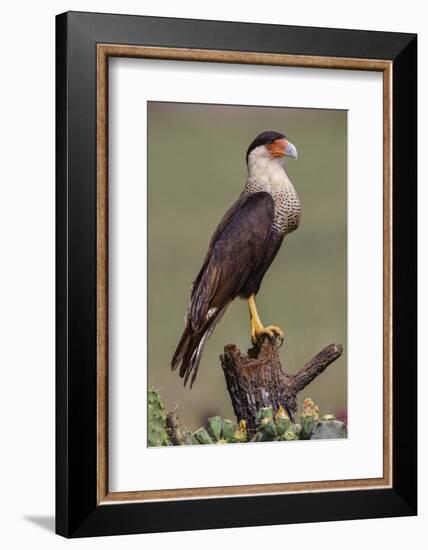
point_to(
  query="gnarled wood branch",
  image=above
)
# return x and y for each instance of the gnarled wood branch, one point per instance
(257, 380)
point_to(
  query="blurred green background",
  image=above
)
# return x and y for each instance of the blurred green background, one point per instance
(196, 169)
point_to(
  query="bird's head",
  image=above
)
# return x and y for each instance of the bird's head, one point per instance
(270, 146)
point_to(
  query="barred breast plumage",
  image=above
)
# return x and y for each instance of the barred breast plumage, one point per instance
(287, 205)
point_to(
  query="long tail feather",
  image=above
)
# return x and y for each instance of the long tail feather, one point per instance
(188, 352)
(181, 347)
(190, 347)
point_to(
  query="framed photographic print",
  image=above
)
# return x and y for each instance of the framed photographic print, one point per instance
(236, 274)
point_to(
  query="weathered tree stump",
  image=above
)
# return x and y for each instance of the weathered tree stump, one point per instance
(257, 380)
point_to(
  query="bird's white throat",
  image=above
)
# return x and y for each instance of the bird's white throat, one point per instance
(268, 174)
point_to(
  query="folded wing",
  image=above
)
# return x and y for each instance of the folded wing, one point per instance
(237, 248)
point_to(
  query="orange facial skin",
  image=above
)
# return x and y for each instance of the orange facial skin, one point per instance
(277, 148)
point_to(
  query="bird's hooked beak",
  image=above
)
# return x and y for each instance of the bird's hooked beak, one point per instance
(282, 148)
(290, 151)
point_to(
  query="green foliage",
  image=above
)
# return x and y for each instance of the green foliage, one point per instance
(278, 427)
(215, 427)
(157, 431)
(221, 430)
(308, 419)
(269, 427)
(203, 437)
(182, 435)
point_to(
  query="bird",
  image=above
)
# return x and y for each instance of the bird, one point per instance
(241, 250)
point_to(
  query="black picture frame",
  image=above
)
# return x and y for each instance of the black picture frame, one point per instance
(77, 511)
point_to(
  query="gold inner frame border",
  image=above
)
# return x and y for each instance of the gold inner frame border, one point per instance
(104, 52)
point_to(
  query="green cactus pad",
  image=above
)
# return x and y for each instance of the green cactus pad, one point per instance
(264, 415)
(203, 437)
(308, 424)
(270, 426)
(157, 432)
(214, 427)
(282, 425)
(228, 431)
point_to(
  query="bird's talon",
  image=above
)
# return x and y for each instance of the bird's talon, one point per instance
(276, 331)
(258, 331)
(272, 332)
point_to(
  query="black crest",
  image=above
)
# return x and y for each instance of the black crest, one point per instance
(263, 139)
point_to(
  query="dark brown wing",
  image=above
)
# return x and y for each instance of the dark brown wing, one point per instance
(236, 249)
(218, 231)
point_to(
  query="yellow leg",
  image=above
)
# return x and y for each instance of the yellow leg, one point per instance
(257, 328)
